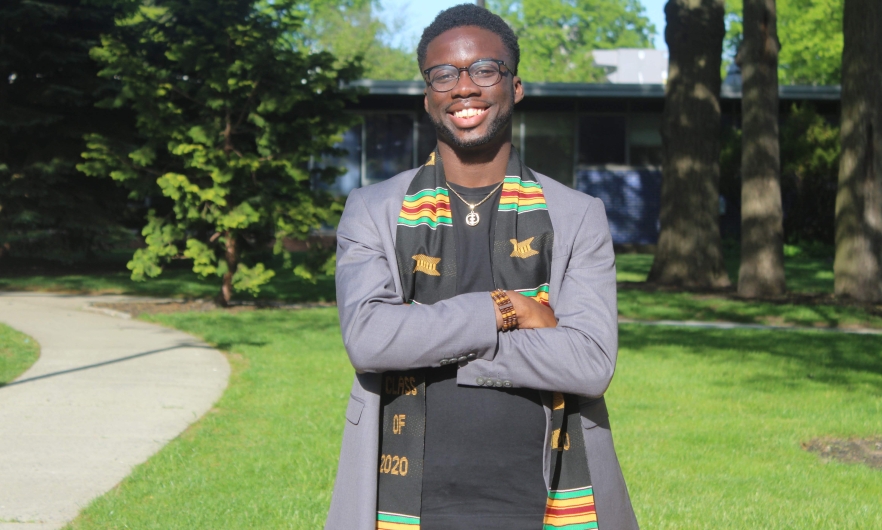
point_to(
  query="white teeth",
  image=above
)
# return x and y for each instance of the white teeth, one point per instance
(468, 113)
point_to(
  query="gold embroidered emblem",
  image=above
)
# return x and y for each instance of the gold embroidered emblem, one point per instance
(558, 401)
(555, 441)
(431, 161)
(426, 264)
(523, 249)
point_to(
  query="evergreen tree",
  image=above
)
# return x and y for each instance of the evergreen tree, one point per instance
(48, 92)
(230, 112)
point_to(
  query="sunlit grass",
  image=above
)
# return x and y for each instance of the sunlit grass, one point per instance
(708, 426)
(266, 455)
(17, 353)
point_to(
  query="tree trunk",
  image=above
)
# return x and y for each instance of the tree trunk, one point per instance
(858, 264)
(689, 253)
(762, 217)
(231, 255)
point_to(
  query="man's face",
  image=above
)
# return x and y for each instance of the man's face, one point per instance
(470, 116)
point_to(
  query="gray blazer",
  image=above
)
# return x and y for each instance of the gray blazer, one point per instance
(382, 333)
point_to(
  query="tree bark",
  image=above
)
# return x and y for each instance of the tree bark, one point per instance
(231, 256)
(762, 217)
(858, 264)
(689, 252)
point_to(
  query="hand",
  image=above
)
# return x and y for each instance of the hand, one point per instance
(531, 314)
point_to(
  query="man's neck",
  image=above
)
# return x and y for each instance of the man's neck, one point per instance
(474, 169)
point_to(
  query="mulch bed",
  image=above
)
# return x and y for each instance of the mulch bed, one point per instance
(149, 308)
(866, 451)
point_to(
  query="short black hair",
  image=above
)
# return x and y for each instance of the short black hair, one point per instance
(470, 15)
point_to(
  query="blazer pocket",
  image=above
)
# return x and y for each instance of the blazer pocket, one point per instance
(353, 411)
(593, 411)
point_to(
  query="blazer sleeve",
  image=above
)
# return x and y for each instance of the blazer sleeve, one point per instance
(380, 331)
(579, 355)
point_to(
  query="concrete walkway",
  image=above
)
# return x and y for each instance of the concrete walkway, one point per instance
(105, 395)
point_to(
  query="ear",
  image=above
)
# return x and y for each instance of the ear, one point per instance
(518, 89)
(426, 99)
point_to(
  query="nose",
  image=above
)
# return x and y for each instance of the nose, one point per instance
(465, 88)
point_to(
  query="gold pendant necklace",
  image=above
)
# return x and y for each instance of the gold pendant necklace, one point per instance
(472, 219)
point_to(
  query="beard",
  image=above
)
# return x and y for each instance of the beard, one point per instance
(496, 126)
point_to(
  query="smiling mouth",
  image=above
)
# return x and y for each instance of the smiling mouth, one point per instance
(468, 113)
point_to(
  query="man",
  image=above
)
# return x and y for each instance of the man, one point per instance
(477, 304)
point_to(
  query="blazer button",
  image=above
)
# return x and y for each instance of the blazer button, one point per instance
(497, 383)
(488, 382)
(462, 359)
(506, 383)
(443, 362)
(479, 381)
(472, 356)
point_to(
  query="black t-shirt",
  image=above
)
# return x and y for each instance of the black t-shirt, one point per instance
(484, 446)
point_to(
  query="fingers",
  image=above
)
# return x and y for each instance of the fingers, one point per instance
(531, 314)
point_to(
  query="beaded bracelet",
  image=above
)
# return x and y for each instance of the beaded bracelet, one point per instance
(509, 317)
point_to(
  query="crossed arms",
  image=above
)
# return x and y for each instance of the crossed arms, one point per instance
(382, 333)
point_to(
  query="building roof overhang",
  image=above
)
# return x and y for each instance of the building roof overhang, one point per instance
(603, 90)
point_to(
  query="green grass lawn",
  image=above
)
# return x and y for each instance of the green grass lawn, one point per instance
(804, 274)
(17, 353)
(642, 305)
(708, 426)
(177, 281)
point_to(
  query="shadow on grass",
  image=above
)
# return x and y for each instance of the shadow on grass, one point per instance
(174, 282)
(645, 302)
(104, 363)
(851, 361)
(805, 274)
(228, 331)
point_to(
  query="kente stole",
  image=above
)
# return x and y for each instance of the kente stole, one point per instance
(521, 261)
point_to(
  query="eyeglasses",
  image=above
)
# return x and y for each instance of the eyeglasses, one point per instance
(483, 72)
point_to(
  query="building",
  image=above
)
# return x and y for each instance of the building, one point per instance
(633, 66)
(602, 139)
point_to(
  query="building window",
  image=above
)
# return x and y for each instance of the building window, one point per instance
(350, 164)
(644, 140)
(426, 138)
(602, 140)
(388, 146)
(548, 145)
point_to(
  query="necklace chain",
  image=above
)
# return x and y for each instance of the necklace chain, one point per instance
(473, 218)
(473, 206)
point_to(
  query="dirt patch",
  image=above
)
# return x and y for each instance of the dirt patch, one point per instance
(149, 308)
(866, 451)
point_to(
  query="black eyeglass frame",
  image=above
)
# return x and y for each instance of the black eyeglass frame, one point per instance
(499, 63)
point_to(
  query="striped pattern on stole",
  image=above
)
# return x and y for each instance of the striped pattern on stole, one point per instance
(426, 257)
